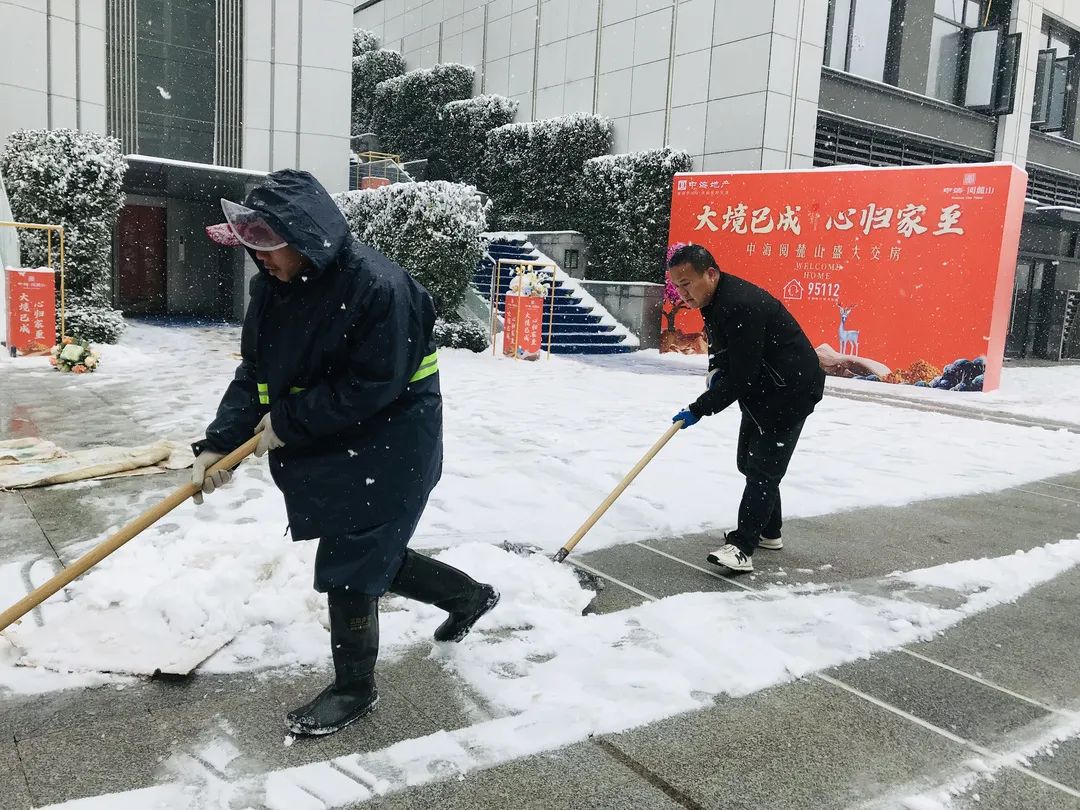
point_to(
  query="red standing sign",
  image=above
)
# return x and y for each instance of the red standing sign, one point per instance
(31, 307)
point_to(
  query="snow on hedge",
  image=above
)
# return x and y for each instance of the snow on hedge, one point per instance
(627, 213)
(364, 41)
(431, 229)
(534, 171)
(466, 125)
(406, 108)
(370, 69)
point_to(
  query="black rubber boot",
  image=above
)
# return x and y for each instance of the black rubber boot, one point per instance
(354, 642)
(435, 583)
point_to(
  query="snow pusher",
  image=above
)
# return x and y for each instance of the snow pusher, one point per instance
(108, 546)
(586, 577)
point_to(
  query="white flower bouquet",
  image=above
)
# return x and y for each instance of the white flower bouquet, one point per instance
(74, 355)
(530, 284)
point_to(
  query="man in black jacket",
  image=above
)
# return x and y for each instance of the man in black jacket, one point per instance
(761, 358)
(339, 377)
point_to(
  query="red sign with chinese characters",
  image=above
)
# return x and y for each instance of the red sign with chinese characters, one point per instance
(523, 325)
(31, 310)
(896, 274)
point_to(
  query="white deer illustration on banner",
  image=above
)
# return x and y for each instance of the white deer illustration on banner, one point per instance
(848, 337)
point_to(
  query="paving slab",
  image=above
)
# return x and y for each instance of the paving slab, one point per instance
(581, 776)
(250, 712)
(871, 543)
(112, 754)
(22, 536)
(433, 692)
(26, 717)
(14, 793)
(43, 403)
(805, 745)
(76, 513)
(652, 573)
(613, 598)
(1012, 790)
(1061, 763)
(949, 701)
(1030, 646)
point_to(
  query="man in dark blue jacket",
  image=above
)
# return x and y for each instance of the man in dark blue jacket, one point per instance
(760, 357)
(339, 377)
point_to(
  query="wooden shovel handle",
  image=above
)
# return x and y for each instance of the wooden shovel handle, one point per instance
(560, 555)
(107, 547)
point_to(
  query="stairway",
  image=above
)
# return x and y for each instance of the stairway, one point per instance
(577, 323)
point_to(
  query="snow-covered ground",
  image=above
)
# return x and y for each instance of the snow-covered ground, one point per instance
(531, 449)
(1041, 392)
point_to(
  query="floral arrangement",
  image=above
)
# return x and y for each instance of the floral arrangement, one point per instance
(74, 355)
(672, 248)
(529, 284)
(671, 292)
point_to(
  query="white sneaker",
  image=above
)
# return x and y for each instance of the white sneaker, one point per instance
(731, 557)
(770, 543)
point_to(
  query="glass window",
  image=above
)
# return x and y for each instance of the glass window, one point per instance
(951, 17)
(1056, 90)
(858, 35)
(950, 10)
(839, 23)
(869, 38)
(176, 73)
(946, 42)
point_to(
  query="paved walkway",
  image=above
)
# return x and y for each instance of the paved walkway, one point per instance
(861, 735)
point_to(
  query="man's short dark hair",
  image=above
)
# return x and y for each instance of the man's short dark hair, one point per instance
(694, 255)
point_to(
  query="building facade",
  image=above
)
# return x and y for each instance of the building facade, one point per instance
(206, 96)
(777, 84)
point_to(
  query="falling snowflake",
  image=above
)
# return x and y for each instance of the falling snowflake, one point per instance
(370, 481)
(165, 94)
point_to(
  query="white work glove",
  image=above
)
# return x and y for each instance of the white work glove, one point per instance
(268, 440)
(208, 483)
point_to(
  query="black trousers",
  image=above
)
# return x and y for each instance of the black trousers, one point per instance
(763, 459)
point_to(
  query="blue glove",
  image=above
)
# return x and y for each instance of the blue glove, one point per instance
(686, 418)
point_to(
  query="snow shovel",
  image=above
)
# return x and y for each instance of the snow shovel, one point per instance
(590, 580)
(107, 547)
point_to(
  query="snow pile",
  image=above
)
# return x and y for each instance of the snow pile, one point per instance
(1044, 392)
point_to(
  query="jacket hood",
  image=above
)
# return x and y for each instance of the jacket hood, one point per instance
(304, 214)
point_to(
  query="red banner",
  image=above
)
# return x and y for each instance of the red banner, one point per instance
(898, 274)
(31, 308)
(523, 338)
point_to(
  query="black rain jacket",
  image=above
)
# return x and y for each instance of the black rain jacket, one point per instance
(349, 376)
(759, 356)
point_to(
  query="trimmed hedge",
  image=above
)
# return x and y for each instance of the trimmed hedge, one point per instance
(431, 229)
(628, 213)
(406, 108)
(465, 126)
(534, 171)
